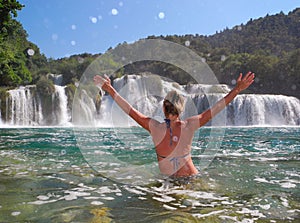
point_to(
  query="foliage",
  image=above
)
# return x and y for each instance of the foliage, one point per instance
(45, 86)
(70, 92)
(268, 46)
(16, 65)
(72, 67)
(12, 61)
(8, 8)
(3, 96)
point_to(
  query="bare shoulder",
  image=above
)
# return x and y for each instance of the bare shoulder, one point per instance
(193, 122)
(155, 125)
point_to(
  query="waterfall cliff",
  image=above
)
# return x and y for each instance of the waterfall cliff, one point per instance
(25, 107)
(146, 95)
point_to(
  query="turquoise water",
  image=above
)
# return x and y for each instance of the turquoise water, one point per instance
(45, 176)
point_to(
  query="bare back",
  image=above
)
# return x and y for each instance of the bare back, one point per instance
(173, 148)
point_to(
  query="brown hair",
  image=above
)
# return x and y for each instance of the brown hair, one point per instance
(173, 103)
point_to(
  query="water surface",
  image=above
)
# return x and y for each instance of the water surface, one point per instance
(44, 177)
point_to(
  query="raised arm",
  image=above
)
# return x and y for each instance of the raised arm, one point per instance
(242, 84)
(105, 84)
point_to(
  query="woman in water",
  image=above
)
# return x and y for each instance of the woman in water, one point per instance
(173, 138)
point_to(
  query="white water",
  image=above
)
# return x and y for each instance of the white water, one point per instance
(25, 108)
(264, 110)
(145, 94)
(63, 115)
(244, 110)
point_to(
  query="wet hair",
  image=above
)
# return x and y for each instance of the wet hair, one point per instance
(169, 108)
(173, 103)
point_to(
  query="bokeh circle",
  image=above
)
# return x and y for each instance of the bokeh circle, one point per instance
(93, 140)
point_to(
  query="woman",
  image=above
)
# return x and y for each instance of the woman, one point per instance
(173, 138)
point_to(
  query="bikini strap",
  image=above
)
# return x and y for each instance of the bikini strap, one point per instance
(175, 160)
(168, 123)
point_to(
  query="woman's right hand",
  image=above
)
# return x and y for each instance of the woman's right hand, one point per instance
(103, 82)
(244, 82)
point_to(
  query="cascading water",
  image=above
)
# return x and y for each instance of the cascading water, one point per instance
(264, 110)
(244, 110)
(24, 106)
(63, 117)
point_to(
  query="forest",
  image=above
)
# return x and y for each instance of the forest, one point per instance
(268, 46)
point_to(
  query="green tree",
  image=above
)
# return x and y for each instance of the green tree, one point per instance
(12, 59)
(7, 9)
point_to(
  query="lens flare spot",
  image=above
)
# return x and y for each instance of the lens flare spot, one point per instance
(161, 15)
(73, 27)
(187, 43)
(223, 58)
(114, 12)
(54, 37)
(93, 19)
(73, 42)
(30, 52)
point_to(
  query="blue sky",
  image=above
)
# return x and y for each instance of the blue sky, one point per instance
(65, 27)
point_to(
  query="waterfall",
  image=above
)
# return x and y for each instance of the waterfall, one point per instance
(84, 110)
(24, 106)
(264, 110)
(63, 117)
(244, 110)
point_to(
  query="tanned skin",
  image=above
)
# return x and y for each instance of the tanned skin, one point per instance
(183, 129)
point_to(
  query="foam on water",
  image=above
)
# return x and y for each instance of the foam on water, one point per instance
(245, 183)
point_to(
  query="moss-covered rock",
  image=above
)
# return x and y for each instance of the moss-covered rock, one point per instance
(3, 96)
(45, 87)
(70, 92)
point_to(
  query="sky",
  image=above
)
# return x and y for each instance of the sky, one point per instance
(61, 28)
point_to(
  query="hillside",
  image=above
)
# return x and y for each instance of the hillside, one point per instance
(268, 46)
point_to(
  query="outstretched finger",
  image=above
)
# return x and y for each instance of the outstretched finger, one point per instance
(106, 77)
(251, 77)
(247, 76)
(240, 77)
(98, 80)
